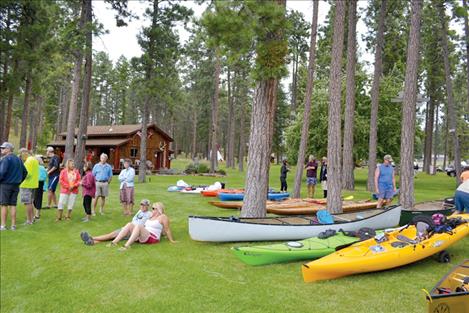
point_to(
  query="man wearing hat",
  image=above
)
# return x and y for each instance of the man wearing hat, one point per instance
(385, 182)
(53, 171)
(12, 174)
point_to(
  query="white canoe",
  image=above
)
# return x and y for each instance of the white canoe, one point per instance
(225, 229)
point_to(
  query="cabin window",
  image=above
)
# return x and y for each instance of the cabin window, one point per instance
(133, 152)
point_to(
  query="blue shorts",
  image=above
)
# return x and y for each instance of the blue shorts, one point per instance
(311, 180)
(461, 200)
(386, 194)
(53, 182)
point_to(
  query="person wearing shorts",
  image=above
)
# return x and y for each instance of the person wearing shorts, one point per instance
(385, 182)
(42, 186)
(12, 174)
(53, 171)
(102, 172)
(70, 180)
(311, 175)
(149, 233)
(126, 179)
(139, 219)
(30, 184)
(461, 197)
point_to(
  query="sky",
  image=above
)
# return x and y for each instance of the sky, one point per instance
(123, 40)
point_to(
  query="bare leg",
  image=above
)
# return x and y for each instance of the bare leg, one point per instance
(140, 233)
(49, 198)
(103, 201)
(4, 216)
(124, 232)
(106, 237)
(59, 215)
(95, 203)
(380, 203)
(29, 213)
(69, 214)
(313, 187)
(13, 215)
(53, 197)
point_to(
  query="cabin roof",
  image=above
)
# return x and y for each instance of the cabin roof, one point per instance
(117, 130)
(104, 142)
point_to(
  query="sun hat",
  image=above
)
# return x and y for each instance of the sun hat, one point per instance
(388, 157)
(7, 145)
(145, 202)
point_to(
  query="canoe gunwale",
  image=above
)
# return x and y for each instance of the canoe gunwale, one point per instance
(238, 219)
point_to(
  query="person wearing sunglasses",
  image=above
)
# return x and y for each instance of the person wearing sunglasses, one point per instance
(139, 219)
(148, 233)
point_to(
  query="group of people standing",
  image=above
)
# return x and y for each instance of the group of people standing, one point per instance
(27, 176)
(311, 168)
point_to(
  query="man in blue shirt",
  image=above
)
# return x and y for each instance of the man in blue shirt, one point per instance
(12, 173)
(385, 182)
(102, 172)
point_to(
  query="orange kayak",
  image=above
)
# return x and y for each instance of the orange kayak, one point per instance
(214, 193)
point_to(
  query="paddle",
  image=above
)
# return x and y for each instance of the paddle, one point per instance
(347, 198)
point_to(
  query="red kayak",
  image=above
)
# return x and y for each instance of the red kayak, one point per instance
(214, 193)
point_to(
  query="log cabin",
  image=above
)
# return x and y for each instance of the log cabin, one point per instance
(121, 142)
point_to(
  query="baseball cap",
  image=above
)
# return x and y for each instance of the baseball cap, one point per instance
(388, 157)
(145, 202)
(50, 149)
(7, 145)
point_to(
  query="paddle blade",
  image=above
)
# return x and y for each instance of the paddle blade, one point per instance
(348, 198)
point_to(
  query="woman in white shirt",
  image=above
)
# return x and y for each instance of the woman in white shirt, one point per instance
(151, 231)
(126, 179)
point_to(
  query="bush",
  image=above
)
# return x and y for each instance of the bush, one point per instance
(199, 168)
(221, 172)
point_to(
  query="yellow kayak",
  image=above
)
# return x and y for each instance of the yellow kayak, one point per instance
(398, 248)
(451, 294)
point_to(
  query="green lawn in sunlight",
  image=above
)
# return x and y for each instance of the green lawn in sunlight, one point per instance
(46, 268)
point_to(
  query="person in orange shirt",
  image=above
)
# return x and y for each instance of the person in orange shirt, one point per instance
(69, 182)
(465, 174)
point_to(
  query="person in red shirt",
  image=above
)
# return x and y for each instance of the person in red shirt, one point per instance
(69, 181)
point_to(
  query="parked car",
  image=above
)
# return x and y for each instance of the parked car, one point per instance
(451, 171)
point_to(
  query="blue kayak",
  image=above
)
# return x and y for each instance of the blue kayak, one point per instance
(240, 196)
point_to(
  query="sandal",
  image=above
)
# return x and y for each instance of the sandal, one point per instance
(124, 248)
(111, 244)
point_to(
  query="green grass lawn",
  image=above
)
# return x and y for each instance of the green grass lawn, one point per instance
(46, 268)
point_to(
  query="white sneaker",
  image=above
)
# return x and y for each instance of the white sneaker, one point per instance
(2, 228)
(93, 213)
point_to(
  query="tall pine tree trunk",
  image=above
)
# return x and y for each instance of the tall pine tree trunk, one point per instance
(72, 111)
(373, 140)
(230, 119)
(257, 177)
(452, 118)
(334, 147)
(85, 103)
(4, 97)
(262, 117)
(307, 109)
(430, 117)
(143, 141)
(194, 133)
(435, 144)
(11, 94)
(64, 109)
(466, 37)
(214, 126)
(31, 127)
(24, 117)
(349, 165)
(408, 109)
(242, 140)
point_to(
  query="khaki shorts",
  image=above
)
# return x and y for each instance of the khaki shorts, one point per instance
(102, 189)
(26, 195)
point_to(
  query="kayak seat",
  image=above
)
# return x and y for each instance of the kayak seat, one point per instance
(399, 244)
(407, 239)
(324, 217)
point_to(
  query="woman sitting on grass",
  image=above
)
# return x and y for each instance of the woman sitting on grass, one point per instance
(148, 233)
(139, 219)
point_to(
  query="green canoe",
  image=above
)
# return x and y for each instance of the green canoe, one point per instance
(307, 249)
